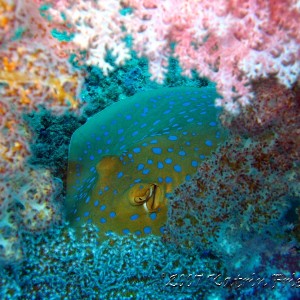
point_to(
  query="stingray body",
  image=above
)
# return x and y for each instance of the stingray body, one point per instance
(126, 159)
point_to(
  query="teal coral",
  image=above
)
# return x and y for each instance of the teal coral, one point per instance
(30, 202)
(62, 36)
(59, 265)
(51, 138)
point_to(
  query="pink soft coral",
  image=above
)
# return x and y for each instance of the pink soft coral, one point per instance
(230, 42)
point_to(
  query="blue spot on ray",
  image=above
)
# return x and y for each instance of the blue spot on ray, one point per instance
(147, 230)
(156, 150)
(172, 138)
(134, 217)
(168, 160)
(140, 167)
(169, 179)
(160, 165)
(208, 143)
(137, 150)
(194, 163)
(112, 214)
(177, 168)
(146, 171)
(153, 216)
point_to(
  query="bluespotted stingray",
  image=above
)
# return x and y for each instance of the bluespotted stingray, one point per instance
(126, 159)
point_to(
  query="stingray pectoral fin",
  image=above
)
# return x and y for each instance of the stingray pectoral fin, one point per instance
(150, 195)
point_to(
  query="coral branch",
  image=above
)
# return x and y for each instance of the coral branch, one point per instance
(230, 42)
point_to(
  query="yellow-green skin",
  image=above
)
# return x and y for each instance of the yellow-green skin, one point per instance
(126, 159)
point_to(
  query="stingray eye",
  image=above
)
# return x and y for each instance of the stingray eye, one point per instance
(139, 200)
(148, 197)
(141, 196)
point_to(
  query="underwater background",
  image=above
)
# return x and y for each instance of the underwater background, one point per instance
(149, 149)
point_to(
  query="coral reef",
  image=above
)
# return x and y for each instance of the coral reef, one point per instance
(7, 21)
(97, 28)
(230, 44)
(239, 216)
(29, 202)
(50, 140)
(31, 76)
(244, 190)
(60, 265)
(42, 103)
